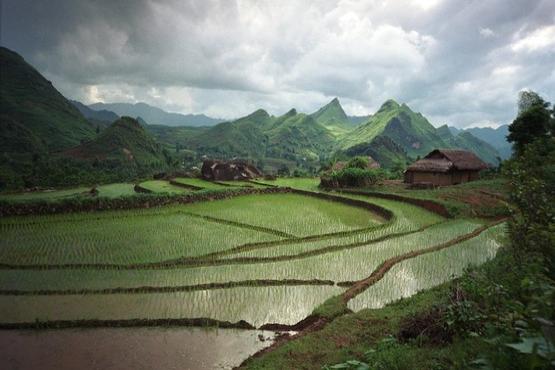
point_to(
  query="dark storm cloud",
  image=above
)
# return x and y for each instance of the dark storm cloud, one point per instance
(457, 62)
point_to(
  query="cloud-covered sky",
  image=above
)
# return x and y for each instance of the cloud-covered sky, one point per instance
(457, 62)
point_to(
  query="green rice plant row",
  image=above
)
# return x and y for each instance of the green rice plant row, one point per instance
(344, 265)
(290, 213)
(199, 183)
(429, 270)
(124, 240)
(256, 305)
(163, 186)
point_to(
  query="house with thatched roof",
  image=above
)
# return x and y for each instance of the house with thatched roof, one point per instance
(339, 165)
(445, 167)
(228, 170)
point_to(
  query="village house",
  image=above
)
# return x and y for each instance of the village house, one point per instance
(215, 170)
(445, 167)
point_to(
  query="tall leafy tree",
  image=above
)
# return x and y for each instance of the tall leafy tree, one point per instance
(534, 120)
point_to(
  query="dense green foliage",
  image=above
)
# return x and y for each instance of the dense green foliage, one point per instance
(534, 122)
(352, 177)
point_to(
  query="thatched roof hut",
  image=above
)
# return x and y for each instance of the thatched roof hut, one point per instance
(228, 170)
(445, 167)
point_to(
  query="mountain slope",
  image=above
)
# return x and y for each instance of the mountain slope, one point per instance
(32, 110)
(496, 137)
(465, 140)
(126, 142)
(335, 119)
(408, 129)
(156, 116)
(240, 138)
(298, 136)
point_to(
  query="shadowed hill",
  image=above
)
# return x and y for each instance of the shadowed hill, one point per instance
(35, 116)
(125, 141)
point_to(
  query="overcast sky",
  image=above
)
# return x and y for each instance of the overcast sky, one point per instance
(458, 62)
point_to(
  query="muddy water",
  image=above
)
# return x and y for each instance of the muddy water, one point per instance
(129, 348)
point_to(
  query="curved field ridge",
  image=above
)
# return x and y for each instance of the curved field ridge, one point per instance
(341, 265)
(291, 265)
(169, 289)
(360, 286)
(116, 240)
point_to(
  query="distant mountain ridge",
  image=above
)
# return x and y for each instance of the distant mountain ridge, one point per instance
(103, 115)
(496, 137)
(156, 116)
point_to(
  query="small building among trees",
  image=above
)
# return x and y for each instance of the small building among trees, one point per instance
(443, 167)
(228, 170)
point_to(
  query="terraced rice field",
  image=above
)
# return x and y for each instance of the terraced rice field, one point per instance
(268, 258)
(162, 186)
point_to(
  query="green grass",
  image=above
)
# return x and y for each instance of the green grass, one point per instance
(116, 190)
(122, 237)
(343, 265)
(240, 183)
(163, 186)
(167, 233)
(303, 183)
(47, 195)
(199, 182)
(350, 336)
(291, 213)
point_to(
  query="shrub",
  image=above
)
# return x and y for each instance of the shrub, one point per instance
(358, 162)
(352, 177)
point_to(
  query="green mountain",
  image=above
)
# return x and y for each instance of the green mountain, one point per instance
(331, 114)
(35, 117)
(291, 140)
(295, 136)
(465, 140)
(335, 119)
(496, 137)
(383, 149)
(410, 130)
(413, 133)
(125, 142)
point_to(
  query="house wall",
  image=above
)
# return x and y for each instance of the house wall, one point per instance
(440, 178)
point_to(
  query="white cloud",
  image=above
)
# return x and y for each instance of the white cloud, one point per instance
(486, 32)
(227, 58)
(540, 39)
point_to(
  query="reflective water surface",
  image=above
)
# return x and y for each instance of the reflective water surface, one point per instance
(129, 348)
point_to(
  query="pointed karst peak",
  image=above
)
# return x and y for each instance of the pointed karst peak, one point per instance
(335, 101)
(259, 113)
(291, 112)
(389, 104)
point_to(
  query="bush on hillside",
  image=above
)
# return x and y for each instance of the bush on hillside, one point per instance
(358, 162)
(351, 177)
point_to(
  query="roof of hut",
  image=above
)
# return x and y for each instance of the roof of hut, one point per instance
(443, 160)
